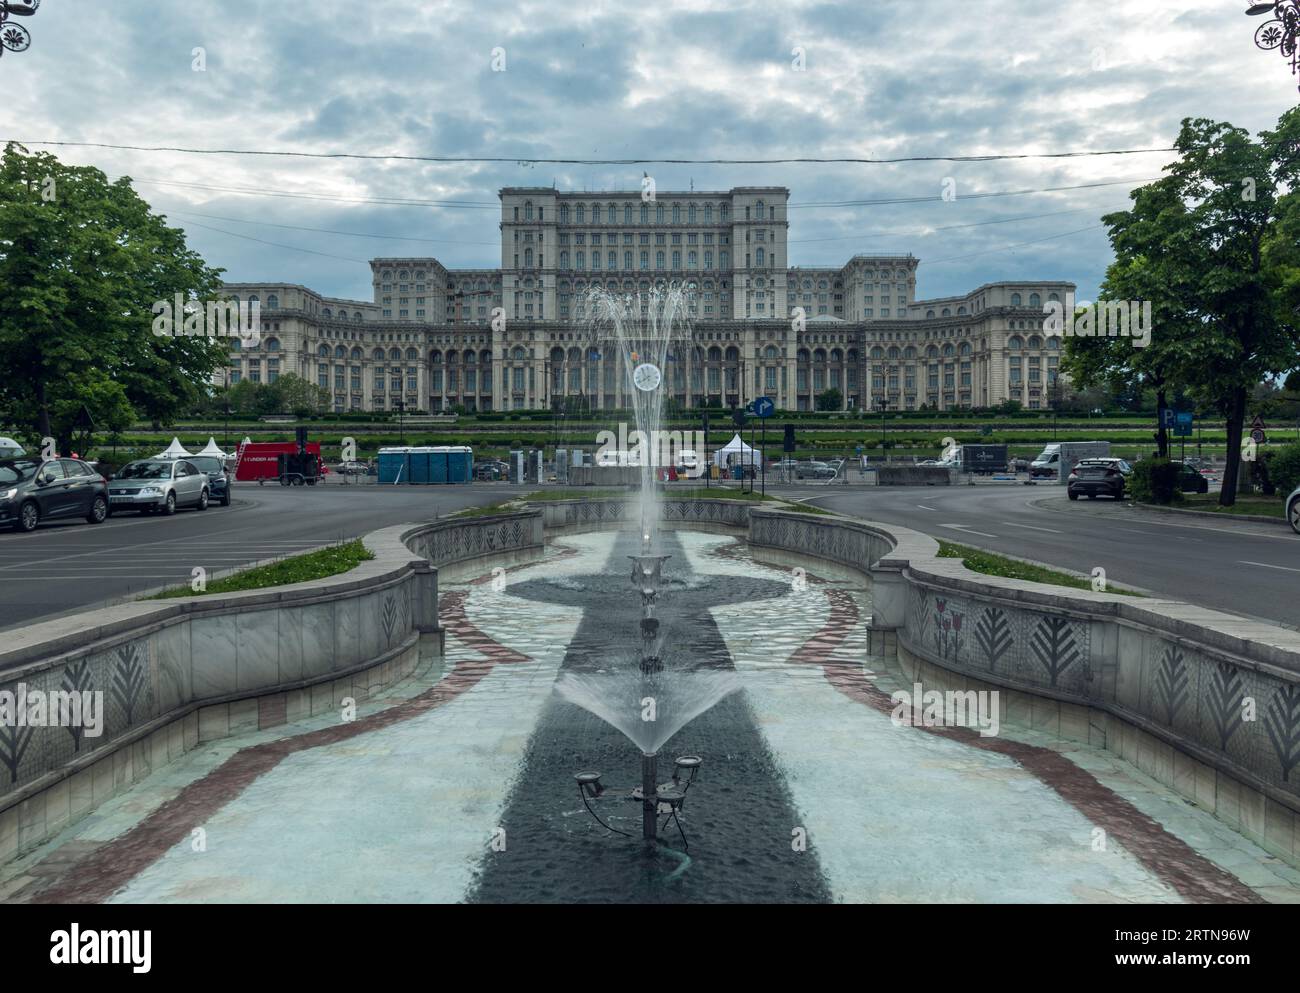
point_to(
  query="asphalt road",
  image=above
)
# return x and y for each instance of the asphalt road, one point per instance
(67, 566)
(1248, 569)
(1236, 566)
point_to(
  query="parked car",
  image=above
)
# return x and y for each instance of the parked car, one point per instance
(218, 478)
(32, 491)
(814, 469)
(1293, 509)
(1098, 477)
(1191, 481)
(158, 485)
(491, 469)
(352, 468)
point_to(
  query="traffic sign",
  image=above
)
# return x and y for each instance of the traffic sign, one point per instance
(1258, 437)
(1183, 426)
(1168, 417)
(1258, 424)
(764, 407)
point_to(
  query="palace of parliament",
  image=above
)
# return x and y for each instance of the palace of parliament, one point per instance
(517, 337)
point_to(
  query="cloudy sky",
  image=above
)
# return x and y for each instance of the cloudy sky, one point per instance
(683, 79)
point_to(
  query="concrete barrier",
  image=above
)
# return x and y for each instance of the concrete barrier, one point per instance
(175, 673)
(913, 475)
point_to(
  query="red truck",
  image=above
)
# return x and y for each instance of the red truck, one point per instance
(257, 460)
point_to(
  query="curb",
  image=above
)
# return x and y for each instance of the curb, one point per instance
(1248, 518)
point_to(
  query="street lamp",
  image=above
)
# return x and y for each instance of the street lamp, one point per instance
(15, 37)
(1281, 32)
(883, 403)
(401, 429)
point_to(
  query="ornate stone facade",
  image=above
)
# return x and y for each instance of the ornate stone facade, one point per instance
(518, 337)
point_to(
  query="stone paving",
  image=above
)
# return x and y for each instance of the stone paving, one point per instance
(405, 802)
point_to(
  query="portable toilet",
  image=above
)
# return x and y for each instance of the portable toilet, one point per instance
(417, 462)
(438, 466)
(516, 467)
(460, 464)
(393, 465)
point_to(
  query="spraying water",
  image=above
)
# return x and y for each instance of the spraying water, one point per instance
(650, 330)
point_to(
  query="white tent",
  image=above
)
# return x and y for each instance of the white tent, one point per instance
(736, 452)
(174, 451)
(212, 449)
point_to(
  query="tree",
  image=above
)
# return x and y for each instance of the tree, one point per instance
(82, 263)
(295, 395)
(831, 399)
(1213, 246)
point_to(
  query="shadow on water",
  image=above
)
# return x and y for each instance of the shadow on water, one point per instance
(738, 816)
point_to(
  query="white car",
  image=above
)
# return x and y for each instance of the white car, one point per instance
(1293, 509)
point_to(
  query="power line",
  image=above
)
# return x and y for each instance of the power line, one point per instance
(922, 232)
(291, 194)
(1007, 248)
(349, 234)
(494, 205)
(273, 244)
(520, 160)
(938, 198)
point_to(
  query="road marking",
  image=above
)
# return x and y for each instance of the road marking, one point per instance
(921, 506)
(962, 527)
(1013, 524)
(1265, 565)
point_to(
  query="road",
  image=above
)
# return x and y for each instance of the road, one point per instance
(1243, 568)
(66, 566)
(1248, 569)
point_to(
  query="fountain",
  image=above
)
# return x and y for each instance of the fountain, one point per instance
(645, 327)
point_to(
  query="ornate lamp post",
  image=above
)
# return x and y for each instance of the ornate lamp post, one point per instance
(1280, 32)
(13, 36)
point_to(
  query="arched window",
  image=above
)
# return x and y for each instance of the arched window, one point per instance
(1015, 344)
(356, 354)
(323, 351)
(1035, 300)
(272, 302)
(272, 344)
(1015, 299)
(329, 313)
(357, 316)
(378, 355)
(412, 355)
(340, 352)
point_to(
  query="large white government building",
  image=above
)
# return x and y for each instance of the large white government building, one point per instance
(517, 337)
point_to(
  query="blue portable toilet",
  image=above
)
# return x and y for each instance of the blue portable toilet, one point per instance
(460, 464)
(393, 465)
(417, 460)
(438, 465)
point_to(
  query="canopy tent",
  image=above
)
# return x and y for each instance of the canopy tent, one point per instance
(736, 452)
(173, 451)
(212, 449)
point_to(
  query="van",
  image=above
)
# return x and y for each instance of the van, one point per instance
(1066, 454)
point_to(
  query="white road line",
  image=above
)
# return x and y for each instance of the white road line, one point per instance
(1013, 524)
(921, 506)
(962, 527)
(1265, 565)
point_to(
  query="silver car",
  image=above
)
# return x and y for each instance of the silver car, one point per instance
(158, 486)
(1293, 509)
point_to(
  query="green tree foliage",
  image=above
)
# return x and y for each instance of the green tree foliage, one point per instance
(82, 263)
(831, 399)
(1213, 246)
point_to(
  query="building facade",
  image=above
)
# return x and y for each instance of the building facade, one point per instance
(519, 337)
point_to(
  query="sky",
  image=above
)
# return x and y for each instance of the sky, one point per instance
(684, 79)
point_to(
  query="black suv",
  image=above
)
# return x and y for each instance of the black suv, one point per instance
(218, 479)
(32, 491)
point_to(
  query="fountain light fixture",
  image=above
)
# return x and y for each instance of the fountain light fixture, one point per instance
(1281, 31)
(662, 800)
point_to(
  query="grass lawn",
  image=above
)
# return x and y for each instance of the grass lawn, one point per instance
(997, 565)
(1257, 506)
(297, 569)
